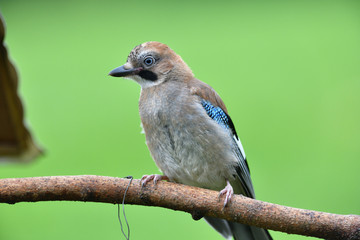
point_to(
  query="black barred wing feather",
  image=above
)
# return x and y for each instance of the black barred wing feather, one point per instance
(223, 119)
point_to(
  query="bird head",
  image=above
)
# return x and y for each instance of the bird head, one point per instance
(151, 64)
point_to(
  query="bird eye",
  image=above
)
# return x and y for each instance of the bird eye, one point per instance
(149, 61)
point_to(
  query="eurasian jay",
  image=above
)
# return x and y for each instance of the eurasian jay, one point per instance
(188, 131)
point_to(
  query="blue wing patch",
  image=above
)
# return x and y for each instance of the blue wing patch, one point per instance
(216, 113)
(219, 116)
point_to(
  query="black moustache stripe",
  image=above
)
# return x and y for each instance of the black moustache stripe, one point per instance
(148, 75)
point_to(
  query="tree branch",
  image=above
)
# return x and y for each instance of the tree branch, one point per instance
(196, 201)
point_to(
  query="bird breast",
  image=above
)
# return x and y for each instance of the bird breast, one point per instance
(187, 145)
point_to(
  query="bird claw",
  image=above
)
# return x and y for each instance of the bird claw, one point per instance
(228, 191)
(155, 177)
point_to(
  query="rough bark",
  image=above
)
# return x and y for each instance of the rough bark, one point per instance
(196, 201)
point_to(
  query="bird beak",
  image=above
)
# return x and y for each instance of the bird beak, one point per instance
(124, 70)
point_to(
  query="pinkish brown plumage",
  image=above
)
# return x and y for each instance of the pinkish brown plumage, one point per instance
(188, 131)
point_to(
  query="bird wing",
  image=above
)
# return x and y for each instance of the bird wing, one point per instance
(216, 110)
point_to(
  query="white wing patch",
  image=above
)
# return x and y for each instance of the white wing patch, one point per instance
(240, 146)
(142, 129)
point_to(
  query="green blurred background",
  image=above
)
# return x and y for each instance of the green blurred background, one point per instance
(287, 70)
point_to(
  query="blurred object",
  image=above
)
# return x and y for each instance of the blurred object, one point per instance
(16, 144)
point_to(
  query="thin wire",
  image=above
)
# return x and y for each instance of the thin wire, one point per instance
(123, 207)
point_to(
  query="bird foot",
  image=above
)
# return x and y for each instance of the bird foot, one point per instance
(228, 191)
(155, 177)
